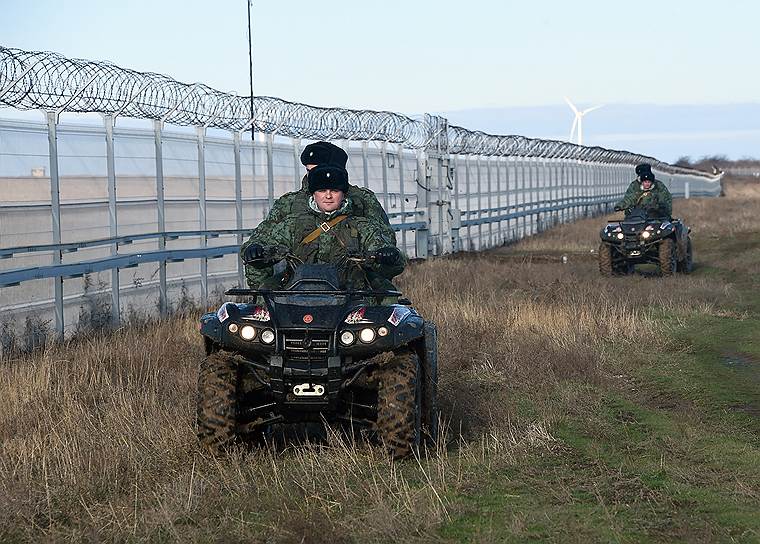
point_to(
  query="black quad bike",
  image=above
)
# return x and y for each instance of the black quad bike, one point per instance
(641, 238)
(314, 351)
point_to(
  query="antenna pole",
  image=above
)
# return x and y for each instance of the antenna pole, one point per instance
(250, 60)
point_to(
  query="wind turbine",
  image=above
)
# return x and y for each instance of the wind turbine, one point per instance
(578, 121)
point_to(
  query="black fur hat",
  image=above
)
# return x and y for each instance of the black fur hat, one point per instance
(328, 176)
(324, 153)
(644, 171)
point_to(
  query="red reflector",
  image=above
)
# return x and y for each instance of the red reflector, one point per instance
(308, 318)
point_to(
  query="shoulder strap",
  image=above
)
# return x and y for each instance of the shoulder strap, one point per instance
(324, 227)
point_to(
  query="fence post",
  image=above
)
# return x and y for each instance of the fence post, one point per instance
(532, 182)
(499, 197)
(466, 207)
(576, 188)
(270, 170)
(509, 205)
(402, 190)
(238, 202)
(623, 178)
(505, 205)
(541, 185)
(365, 162)
(456, 209)
(443, 232)
(55, 209)
(523, 198)
(384, 158)
(421, 236)
(480, 202)
(202, 220)
(555, 193)
(573, 202)
(163, 303)
(587, 187)
(566, 189)
(297, 176)
(489, 200)
(108, 120)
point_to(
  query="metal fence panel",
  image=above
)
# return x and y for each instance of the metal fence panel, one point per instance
(161, 213)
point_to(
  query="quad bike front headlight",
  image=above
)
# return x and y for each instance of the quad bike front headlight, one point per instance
(646, 234)
(247, 333)
(367, 335)
(347, 338)
(620, 236)
(267, 336)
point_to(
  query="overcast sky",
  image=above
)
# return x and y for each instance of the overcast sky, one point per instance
(417, 56)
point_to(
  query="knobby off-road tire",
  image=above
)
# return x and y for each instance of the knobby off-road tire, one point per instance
(605, 260)
(667, 257)
(398, 404)
(687, 264)
(216, 408)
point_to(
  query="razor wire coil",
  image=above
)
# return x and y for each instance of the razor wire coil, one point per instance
(52, 82)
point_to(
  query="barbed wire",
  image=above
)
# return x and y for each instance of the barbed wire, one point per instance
(52, 82)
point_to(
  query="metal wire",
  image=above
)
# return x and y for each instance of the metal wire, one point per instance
(52, 82)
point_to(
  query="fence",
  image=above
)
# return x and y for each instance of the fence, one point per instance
(150, 217)
(744, 171)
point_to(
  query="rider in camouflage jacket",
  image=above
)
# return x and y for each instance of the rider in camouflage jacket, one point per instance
(352, 235)
(363, 201)
(648, 193)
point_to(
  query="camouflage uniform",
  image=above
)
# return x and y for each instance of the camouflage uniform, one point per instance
(657, 200)
(364, 203)
(353, 235)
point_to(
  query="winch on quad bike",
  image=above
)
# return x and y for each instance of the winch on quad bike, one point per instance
(641, 238)
(315, 351)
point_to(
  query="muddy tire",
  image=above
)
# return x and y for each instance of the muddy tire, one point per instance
(687, 264)
(398, 404)
(605, 260)
(667, 257)
(216, 408)
(429, 385)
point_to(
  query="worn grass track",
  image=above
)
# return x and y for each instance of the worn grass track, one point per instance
(578, 408)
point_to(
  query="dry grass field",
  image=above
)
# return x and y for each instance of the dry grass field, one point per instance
(577, 408)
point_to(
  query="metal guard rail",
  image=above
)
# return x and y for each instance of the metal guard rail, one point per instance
(11, 278)
(72, 247)
(66, 271)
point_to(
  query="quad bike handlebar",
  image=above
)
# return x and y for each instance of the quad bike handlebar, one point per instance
(273, 254)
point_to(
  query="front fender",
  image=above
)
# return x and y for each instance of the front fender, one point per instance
(211, 330)
(409, 330)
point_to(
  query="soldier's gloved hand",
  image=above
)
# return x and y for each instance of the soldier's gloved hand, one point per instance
(254, 252)
(388, 255)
